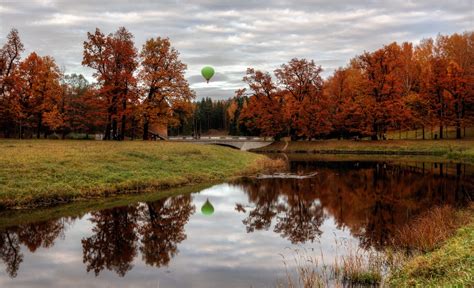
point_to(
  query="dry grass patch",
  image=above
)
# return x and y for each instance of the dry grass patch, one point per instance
(429, 230)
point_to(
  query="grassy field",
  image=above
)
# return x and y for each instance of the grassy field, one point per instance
(45, 172)
(451, 265)
(451, 149)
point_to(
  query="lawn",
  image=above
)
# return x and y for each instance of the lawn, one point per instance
(451, 149)
(45, 172)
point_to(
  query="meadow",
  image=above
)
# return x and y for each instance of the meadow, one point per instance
(47, 172)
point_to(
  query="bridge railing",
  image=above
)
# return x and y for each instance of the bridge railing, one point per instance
(214, 138)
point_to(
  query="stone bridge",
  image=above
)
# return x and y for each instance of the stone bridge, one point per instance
(237, 142)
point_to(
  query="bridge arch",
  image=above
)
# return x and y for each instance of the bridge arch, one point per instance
(242, 143)
(233, 146)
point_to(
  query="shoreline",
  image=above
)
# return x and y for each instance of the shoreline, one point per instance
(453, 256)
(459, 150)
(86, 170)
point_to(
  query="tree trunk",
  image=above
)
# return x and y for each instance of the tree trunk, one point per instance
(423, 132)
(40, 120)
(108, 127)
(114, 129)
(21, 130)
(124, 119)
(441, 131)
(122, 130)
(133, 129)
(458, 109)
(145, 130)
(458, 133)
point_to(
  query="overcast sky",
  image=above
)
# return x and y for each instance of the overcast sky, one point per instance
(233, 35)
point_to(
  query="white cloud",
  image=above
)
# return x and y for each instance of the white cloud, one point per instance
(232, 36)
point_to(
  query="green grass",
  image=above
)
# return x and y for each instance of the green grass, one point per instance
(462, 150)
(46, 172)
(452, 265)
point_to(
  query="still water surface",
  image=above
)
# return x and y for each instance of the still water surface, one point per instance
(255, 222)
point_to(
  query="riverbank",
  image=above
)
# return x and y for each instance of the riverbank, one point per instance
(461, 150)
(441, 240)
(40, 173)
(450, 265)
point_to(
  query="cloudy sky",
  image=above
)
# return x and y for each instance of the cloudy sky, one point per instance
(233, 35)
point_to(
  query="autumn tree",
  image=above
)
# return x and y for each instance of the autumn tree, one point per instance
(114, 59)
(39, 92)
(9, 61)
(166, 91)
(348, 114)
(458, 52)
(77, 109)
(264, 111)
(306, 106)
(384, 87)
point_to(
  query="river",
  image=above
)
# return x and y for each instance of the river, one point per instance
(243, 233)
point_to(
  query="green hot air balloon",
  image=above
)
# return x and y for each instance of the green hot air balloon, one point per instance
(207, 72)
(207, 209)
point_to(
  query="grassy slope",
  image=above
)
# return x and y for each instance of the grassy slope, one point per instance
(452, 265)
(38, 173)
(453, 149)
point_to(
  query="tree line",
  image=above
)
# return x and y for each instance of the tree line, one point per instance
(133, 90)
(208, 116)
(397, 87)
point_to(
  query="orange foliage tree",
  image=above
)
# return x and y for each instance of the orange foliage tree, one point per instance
(9, 62)
(166, 93)
(396, 87)
(305, 106)
(264, 112)
(38, 93)
(114, 59)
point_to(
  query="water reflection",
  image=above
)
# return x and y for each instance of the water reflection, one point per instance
(33, 236)
(368, 199)
(292, 202)
(158, 225)
(371, 199)
(113, 244)
(163, 229)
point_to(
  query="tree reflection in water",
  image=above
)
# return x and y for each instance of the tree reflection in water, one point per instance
(113, 244)
(370, 199)
(163, 228)
(297, 211)
(41, 234)
(116, 232)
(159, 225)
